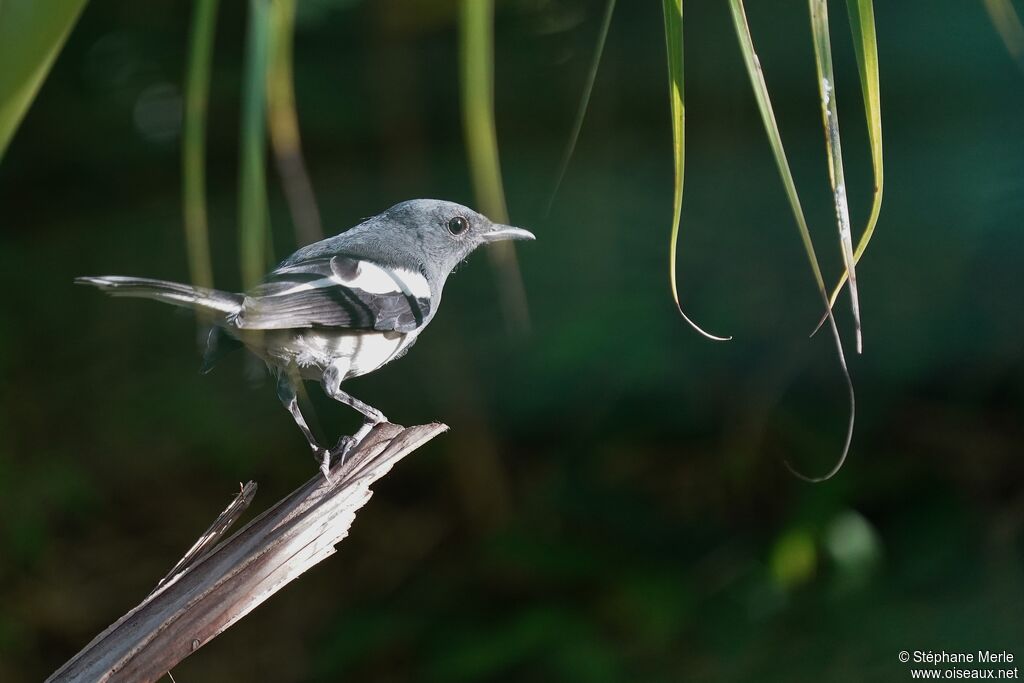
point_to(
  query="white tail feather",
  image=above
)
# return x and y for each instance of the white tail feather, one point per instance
(173, 293)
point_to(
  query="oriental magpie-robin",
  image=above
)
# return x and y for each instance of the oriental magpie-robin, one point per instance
(338, 308)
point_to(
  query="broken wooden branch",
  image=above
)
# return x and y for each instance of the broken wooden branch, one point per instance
(216, 584)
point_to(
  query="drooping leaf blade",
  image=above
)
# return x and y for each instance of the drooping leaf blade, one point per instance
(865, 46)
(673, 13)
(775, 139)
(834, 149)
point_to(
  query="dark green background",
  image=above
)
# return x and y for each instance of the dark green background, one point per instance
(611, 503)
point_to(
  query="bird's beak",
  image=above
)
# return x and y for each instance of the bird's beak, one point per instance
(499, 232)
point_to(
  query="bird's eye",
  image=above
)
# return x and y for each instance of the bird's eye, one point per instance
(458, 225)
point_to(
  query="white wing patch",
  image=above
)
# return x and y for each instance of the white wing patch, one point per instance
(368, 277)
(376, 279)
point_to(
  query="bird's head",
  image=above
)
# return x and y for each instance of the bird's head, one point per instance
(442, 234)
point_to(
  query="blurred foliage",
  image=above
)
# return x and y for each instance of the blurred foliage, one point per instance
(581, 110)
(476, 74)
(1007, 22)
(642, 526)
(253, 231)
(31, 35)
(193, 145)
(283, 124)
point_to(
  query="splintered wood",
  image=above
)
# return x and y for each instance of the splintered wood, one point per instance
(218, 583)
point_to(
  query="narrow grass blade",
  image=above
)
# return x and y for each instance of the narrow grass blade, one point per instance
(1007, 22)
(31, 35)
(193, 157)
(283, 121)
(673, 11)
(834, 149)
(581, 112)
(772, 129)
(865, 45)
(476, 69)
(252, 191)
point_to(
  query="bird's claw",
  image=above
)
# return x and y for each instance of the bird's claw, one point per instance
(345, 445)
(324, 457)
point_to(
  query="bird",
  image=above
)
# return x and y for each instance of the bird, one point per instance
(338, 308)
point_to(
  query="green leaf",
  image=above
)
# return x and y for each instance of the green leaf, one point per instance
(865, 45)
(834, 149)
(764, 104)
(673, 11)
(476, 69)
(252, 190)
(588, 89)
(197, 90)
(31, 35)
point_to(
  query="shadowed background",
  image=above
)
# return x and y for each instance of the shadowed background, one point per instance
(611, 503)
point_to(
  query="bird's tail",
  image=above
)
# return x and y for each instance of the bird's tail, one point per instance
(220, 304)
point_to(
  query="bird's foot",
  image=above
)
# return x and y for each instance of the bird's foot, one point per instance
(344, 447)
(347, 444)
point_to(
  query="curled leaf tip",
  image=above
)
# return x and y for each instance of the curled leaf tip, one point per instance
(700, 330)
(673, 11)
(815, 480)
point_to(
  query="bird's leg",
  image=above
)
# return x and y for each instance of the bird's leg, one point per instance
(286, 393)
(371, 416)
